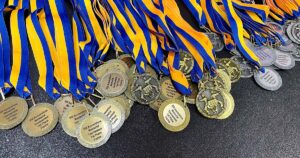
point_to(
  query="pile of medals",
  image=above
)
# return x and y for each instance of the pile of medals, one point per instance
(165, 64)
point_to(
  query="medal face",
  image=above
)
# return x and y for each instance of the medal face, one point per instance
(112, 84)
(168, 91)
(71, 118)
(41, 120)
(13, 111)
(149, 70)
(114, 64)
(114, 111)
(126, 58)
(216, 41)
(216, 82)
(156, 104)
(174, 115)
(266, 56)
(232, 68)
(145, 89)
(94, 130)
(191, 99)
(296, 33)
(230, 108)
(270, 80)
(125, 104)
(246, 69)
(186, 62)
(284, 60)
(211, 103)
(289, 32)
(63, 103)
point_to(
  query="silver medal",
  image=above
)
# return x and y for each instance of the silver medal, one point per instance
(145, 89)
(266, 55)
(246, 69)
(296, 33)
(284, 61)
(269, 80)
(296, 54)
(216, 41)
(289, 32)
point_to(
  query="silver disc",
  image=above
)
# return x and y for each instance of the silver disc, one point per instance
(284, 61)
(266, 55)
(296, 33)
(269, 80)
(216, 41)
(289, 32)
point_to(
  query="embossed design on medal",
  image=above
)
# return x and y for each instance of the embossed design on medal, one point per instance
(246, 69)
(186, 62)
(216, 41)
(168, 91)
(209, 82)
(13, 111)
(114, 111)
(41, 119)
(289, 32)
(113, 83)
(94, 130)
(211, 103)
(296, 32)
(269, 80)
(233, 69)
(149, 70)
(284, 61)
(145, 89)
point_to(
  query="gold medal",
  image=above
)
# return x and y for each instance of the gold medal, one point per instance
(174, 115)
(71, 118)
(13, 111)
(114, 64)
(221, 82)
(125, 103)
(186, 62)
(114, 111)
(128, 90)
(191, 99)
(156, 104)
(233, 69)
(63, 103)
(41, 119)
(230, 108)
(168, 91)
(94, 130)
(149, 70)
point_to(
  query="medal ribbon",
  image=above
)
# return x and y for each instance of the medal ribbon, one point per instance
(19, 77)
(5, 51)
(41, 50)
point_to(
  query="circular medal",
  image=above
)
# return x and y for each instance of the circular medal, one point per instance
(72, 117)
(125, 104)
(112, 83)
(246, 69)
(284, 60)
(145, 89)
(191, 99)
(266, 55)
(221, 82)
(216, 41)
(296, 33)
(156, 104)
(94, 130)
(211, 103)
(114, 111)
(128, 90)
(149, 70)
(63, 103)
(114, 64)
(168, 91)
(269, 80)
(186, 62)
(174, 115)
(41, 120)
(127, 59)
(13, 111)
(289, 32)
(230, 108)
(233, 69)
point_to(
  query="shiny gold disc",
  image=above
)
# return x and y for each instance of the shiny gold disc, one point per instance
(230, 108)
(168, 90)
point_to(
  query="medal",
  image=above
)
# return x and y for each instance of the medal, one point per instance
(94, 130)
(296, 33)
(296, 53)
(127, 59)
(269, 80)
(41, 119)
(230, 108)
(232, 68)
(114, 111)
(13, 111)
(168, 91)
(63, 103)
(156, 104)
(126, 104)
(114, 64)
(266, 56)
(145, 89)
(216, 41)
(149, 70)
(221, 82)
(191, 99)
(112, 83)
(128, 90)
(246, 70)
(211, 103)
(72, 116)
(186, 62)
(289, 32)
(284, 60)
(174, 115)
